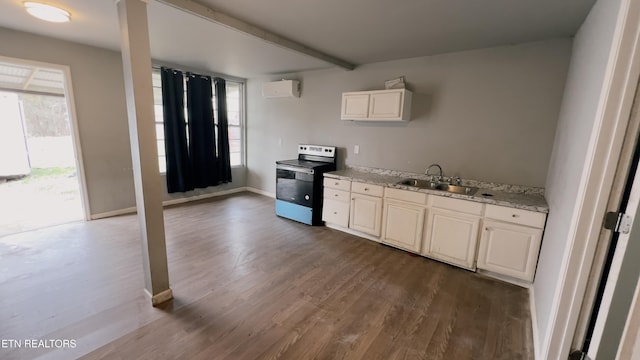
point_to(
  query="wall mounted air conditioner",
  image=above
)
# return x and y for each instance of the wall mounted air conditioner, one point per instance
(283, 88)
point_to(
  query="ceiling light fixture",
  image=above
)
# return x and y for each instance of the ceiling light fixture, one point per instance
(47, 12)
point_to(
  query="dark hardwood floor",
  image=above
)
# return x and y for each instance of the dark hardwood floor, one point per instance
(249, 285)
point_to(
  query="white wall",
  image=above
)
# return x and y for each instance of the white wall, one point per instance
(578, 115)
(486, 114)
(98, 84)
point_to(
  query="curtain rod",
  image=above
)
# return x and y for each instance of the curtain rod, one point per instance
(185, 69)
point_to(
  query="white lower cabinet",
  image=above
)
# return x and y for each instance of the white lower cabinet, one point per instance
(452, 237)
(509, 249)
(335, 212)
(502, 241)
(336, 200)
(402, 225)
(365, 214)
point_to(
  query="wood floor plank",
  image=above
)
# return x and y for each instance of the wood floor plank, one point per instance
(249, 285)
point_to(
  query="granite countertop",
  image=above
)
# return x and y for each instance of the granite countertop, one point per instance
(519, 197)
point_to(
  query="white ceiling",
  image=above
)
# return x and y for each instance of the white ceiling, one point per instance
(358, 31)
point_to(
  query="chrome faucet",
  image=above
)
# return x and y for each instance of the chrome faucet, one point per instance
(439, 177)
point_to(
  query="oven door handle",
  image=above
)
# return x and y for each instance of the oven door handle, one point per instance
(295, 169)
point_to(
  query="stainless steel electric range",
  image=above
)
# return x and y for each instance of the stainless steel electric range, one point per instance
(299, 183)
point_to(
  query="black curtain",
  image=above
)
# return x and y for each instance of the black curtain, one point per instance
(224, 159)
(175, 135)
(201, 130)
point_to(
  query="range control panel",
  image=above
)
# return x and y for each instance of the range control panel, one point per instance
(317, 150)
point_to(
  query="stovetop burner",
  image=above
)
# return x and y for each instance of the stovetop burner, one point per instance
(307, 164)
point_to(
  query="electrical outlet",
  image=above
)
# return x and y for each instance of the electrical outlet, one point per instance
(356, 149)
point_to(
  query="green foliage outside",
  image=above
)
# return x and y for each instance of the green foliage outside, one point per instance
(38, 174)
(45, 115)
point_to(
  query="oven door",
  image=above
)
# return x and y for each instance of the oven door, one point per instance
(294, 184)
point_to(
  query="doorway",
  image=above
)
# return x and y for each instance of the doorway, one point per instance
(41, 177)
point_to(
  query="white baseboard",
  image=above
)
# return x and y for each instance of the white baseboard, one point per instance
(260, 192)
(159, 298)
(133, 210)
(202, 196)
(352, 232)
(534, 324)
(505, 278)
(126, 211)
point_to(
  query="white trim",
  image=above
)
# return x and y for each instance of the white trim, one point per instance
(611, 305)
(202, 196)
(534, 324)
(75, 135)
(73, 123)
(597, 178)
(356, 233)
(505, 278)
(159, 298)
(107, 214)
(133, 210)
(261, 192)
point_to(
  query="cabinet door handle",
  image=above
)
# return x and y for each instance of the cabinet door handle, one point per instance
(366, 189)
(514, 215)
(336, 184)
(335, 213)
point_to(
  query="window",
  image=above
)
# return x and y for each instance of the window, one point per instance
(234, 116)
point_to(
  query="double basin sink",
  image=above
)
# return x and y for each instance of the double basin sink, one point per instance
(432, 185)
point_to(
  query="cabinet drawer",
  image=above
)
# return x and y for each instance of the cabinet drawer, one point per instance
(516, 216)
(337, 184)
(334, 194)
(336, 212)
(405, 195)
(463, 206)
(367, 189)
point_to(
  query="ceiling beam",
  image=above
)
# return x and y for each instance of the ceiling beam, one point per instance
(229, 21)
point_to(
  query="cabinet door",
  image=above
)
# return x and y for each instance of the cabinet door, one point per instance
(335, 212)
(402, 225)
(366, 214)
(355, 106)
(386, 105)
(452, 237)
(509, 249)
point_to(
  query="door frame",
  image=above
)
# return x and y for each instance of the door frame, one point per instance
(620, 181)
(596, 182)
(73, 123)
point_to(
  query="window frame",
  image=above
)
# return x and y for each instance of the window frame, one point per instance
(241, 83)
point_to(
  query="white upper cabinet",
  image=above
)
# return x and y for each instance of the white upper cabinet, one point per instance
(379, 105)
(355, 106)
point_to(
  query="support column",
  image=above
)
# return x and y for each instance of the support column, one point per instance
(136, 61)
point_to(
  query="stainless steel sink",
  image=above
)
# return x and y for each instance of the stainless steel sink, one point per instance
(426, 184)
